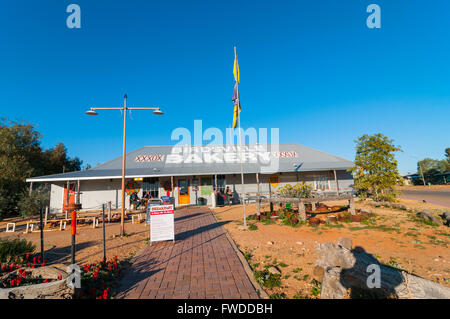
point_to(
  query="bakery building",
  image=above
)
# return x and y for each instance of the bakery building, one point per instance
(194, 174)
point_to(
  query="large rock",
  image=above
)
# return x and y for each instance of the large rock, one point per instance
(428, 215)
(399, 206)
(365, 211)
(446, 217)
(274, 270)
(345, 271)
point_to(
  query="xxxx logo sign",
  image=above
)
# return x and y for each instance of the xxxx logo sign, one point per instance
(149, 158)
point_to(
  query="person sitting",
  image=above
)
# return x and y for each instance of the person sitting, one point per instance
(229, 195)
(147, 196)
(134, 200)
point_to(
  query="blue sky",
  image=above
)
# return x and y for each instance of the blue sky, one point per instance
(311, 68)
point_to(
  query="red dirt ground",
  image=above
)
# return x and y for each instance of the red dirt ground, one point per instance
(396, 239)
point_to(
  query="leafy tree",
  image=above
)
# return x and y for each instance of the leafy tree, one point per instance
(447, 153)
(56, 161)
(21, 157)
(375, 169)
(429, 166)
(432, 167)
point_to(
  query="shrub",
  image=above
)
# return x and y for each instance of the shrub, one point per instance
(15, 249)
(100, 280)
(299, 190)
(315, 290)
(31, 205)
(267, 279)
(292, 220)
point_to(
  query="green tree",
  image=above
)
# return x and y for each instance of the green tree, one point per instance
(56, 161)
(21, 157)
(429, 166)
(375, 169)
(447, 153)
(432, 167)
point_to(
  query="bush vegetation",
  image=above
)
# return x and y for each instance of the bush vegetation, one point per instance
(14, 250)
(299, 190)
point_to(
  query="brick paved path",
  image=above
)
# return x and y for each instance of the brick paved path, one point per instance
(200, 264)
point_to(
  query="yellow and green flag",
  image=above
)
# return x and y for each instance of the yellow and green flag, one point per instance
(235, 99)
(236, 67)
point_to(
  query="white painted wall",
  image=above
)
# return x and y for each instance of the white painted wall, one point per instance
(56, 198)
(94, 193)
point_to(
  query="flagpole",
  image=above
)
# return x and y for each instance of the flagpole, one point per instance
(240, 147)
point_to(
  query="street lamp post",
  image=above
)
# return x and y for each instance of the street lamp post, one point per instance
(157, 111)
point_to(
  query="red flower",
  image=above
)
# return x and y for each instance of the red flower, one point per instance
(95, 274)
(46, 280)
(34, 260)
(27, 256)
(59, 277)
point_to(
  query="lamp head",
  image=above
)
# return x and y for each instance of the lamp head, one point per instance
(91, 112)
(158, 112)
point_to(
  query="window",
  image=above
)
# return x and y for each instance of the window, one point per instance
(151, 185)
(321, 182)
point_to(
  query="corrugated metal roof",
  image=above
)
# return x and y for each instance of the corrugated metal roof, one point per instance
(158, 161)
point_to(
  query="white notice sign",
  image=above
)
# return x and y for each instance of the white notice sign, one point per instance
(161, 223)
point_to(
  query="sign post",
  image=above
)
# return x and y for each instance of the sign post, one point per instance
(161, 218)
(73, 228)
(104, 233)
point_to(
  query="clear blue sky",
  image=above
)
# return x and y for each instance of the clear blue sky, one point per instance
(311, 68)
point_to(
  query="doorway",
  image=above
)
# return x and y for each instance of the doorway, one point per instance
(71, 196)
(184, 197)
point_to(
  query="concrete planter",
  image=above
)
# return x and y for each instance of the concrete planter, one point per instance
(53, 290)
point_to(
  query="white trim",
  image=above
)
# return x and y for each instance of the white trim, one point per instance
(65, 179)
